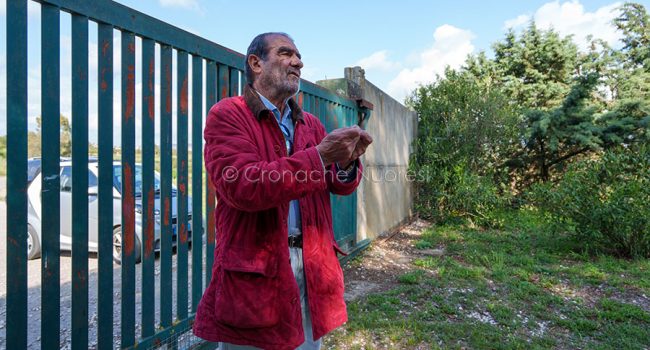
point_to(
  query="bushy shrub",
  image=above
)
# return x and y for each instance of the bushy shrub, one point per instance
(464, 130)
(456, 193)
(604, 203)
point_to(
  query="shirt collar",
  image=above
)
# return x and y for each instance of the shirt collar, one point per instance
(255, 103)
(269, 105)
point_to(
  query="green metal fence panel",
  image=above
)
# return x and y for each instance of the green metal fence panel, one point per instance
(223, 77)
(166, 186)
(181, 165)
(197, 180)
(343, 207)
(79, 182)
(148, 191)
(50, 181)
(105, 188)
(234, 82)
(130, 20)
(128, 248)
(17, 175)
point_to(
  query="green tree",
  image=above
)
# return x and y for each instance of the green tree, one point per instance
(536, 68)
(558, 136)
(631, 68)
(464, 130)
(634, 22)
(65, 138)
(3, 147)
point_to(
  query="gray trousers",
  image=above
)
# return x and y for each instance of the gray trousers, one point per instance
(299, 273)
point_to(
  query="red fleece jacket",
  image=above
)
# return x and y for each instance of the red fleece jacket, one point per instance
(253, 297)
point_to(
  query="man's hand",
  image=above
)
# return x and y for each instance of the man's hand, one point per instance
(344, 146)
(364, 141)
(339, 145)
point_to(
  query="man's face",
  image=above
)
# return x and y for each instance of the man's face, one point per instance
(280, 72)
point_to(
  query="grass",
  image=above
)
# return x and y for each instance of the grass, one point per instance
(515, 288)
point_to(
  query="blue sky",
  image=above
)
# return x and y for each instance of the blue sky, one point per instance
(400, 44)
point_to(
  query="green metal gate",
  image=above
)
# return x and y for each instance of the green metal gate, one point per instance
(222, 77)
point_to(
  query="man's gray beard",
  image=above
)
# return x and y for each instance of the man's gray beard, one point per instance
(290, 90)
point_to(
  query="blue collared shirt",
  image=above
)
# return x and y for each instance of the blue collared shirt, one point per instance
(286, 125)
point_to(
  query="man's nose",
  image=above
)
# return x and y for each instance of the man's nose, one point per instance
(296, 62)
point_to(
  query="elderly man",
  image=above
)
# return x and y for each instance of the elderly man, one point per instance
(277, 282)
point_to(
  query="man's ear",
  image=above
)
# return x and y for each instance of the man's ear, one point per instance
(255, 63)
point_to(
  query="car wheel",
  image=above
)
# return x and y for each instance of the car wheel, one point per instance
(117, 247)
(33, 244)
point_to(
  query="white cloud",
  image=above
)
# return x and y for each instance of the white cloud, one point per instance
(516, 22)
(450, 47)
(188, 4)
(570, 18)
(379, 61)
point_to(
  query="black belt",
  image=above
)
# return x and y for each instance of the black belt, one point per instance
(295, 241)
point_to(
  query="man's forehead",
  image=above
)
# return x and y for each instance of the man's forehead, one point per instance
(276, 41)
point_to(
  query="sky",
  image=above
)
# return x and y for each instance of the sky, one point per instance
(399, 44)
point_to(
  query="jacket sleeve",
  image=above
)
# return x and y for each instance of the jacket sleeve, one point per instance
(241, 178)
(335, 183)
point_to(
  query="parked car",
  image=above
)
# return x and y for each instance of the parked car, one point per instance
(35, 229)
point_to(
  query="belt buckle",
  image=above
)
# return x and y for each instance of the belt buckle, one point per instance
(295, 241)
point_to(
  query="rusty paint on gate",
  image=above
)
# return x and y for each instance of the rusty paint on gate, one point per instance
(183, 103)
(183, 233)
(130, 93)
(168, 97)
(129, 216)
(166, 211)
(151, 99)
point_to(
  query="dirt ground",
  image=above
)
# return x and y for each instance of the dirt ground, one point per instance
(388, 257)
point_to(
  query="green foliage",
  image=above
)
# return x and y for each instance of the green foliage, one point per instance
(553, 106)
(3, 147)
(536, 68)
(463, 132)
(411, 277)
(634, 23)
(554, 138)
(603, 203)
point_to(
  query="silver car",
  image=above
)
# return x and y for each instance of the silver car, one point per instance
(35, 210)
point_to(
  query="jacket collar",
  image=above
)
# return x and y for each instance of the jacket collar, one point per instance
(260, 111)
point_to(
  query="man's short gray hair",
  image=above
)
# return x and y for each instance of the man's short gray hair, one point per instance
(259, 47)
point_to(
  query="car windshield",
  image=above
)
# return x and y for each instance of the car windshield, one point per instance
(33, 168)
(117, 175)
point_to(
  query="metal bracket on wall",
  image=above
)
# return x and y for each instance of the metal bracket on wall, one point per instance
(365, 108)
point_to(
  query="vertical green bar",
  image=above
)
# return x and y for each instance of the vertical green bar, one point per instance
(148, 190)
(165, 186)
(234, 82)
(128, 196)
(50, 245)
(223, 83)
(307, 103)
(197, 180)
(312, 104)
(105, 187)
(79, 182)
(181, 154)
(210, 99)
(317, 112)
(16, 175)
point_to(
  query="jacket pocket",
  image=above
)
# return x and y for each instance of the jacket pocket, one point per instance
(248, 295)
